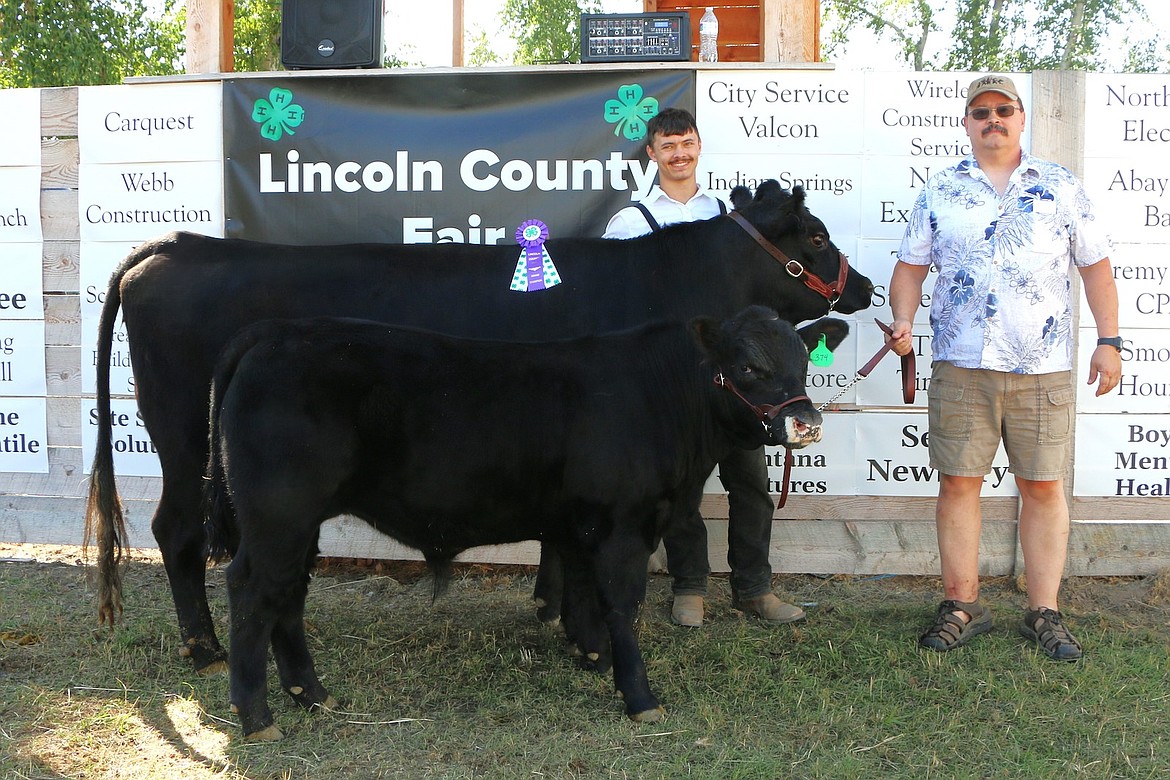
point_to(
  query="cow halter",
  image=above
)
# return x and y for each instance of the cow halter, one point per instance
(830, 292)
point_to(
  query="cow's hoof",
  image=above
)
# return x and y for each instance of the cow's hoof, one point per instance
(321, 700)
(213, 669)
(268, 734)
(649, 716)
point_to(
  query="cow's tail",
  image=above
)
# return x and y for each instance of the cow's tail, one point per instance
(219, 514)
(441, 569)
(103, 512)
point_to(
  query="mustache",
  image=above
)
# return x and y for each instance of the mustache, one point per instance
(995, 129)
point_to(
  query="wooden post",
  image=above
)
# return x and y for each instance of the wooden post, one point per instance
(209, 36)
(457, 33)
(792, 30)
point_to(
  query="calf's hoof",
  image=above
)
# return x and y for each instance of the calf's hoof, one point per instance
(207, 657)
(654, 715)
(213, 669)
(269, 733)
(549, 614)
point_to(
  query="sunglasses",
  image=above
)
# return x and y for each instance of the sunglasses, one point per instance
(1001, 111)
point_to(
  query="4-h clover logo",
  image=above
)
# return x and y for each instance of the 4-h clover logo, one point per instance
(278, 114)
(630, 111)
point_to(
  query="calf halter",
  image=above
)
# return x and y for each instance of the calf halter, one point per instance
(765, 413)
(830, 292)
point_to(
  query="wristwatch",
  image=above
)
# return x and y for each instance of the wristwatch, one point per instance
(1112, 341)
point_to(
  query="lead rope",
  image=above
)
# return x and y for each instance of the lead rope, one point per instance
(909, 374)
(909, 378)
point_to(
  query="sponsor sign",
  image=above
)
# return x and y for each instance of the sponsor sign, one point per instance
(20, 204)
(20, 133)
(23, 423)
(21, 288)
(22, 357)
(428, 158)
(134, 453)
(1123, 455)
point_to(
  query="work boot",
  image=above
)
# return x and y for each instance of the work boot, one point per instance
(687, 611)
(769, 608)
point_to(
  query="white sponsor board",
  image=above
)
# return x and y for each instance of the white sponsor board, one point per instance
(919, 115)
(98, 261)
(20, 204)
(1145, 374)
(134, 453)
(21, 286)
(136, 201)
(824, 468)
(894, 458)
(22, 357)
(23, 423)
(1123, 455)
(150, 123)
(20, 132)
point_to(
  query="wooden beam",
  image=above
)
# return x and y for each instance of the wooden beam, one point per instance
(792, 30)
(457, 33)
(209, 36)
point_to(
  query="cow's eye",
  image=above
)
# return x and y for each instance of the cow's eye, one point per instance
(746, 370)
(819, 240)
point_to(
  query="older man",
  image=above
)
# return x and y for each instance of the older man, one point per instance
(1003, 229)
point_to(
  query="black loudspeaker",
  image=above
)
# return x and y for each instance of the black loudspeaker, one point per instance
(331, 34)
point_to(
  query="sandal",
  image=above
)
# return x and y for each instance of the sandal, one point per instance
(1046, 628)
(950, 630)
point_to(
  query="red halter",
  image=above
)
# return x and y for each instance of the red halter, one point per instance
(831, 293)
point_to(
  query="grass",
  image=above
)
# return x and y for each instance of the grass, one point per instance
(474, 687)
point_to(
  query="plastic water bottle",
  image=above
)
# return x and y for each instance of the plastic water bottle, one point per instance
(708, 36)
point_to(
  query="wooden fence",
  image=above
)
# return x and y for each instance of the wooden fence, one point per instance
(817, 534)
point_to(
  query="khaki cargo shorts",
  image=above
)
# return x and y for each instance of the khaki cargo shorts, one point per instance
(971, 410)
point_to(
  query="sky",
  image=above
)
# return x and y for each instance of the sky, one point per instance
(420, 32)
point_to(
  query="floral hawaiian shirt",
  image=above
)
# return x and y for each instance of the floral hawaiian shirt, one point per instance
(1002, 300)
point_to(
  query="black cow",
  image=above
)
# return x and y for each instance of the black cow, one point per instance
(183, 296)
(589, 445)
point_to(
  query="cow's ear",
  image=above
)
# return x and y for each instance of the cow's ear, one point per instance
(741, 196)
(707, 334)
(833, 329)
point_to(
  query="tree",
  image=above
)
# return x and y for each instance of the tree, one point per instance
(908, 22)
(52, 43)
(1004, 35)
(546, 31)
(1019, 35)
(256, 36)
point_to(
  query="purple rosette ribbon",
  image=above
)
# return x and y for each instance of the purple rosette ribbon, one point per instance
(535, 270)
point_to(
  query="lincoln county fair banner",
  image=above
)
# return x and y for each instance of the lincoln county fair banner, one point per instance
(439, 157)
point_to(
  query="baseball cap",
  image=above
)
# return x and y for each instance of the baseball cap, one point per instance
(992, 83)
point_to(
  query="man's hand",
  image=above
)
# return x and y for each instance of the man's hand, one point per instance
(900, 337)
(1104, 368)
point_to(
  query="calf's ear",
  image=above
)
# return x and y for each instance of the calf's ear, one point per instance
(707, 334)
(833, 329)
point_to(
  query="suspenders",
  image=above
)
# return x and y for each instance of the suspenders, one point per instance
(653, 223)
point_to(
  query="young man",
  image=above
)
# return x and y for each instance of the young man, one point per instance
(1003, 228)
(673, 143)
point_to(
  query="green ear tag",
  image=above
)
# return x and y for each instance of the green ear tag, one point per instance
(821, 356)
